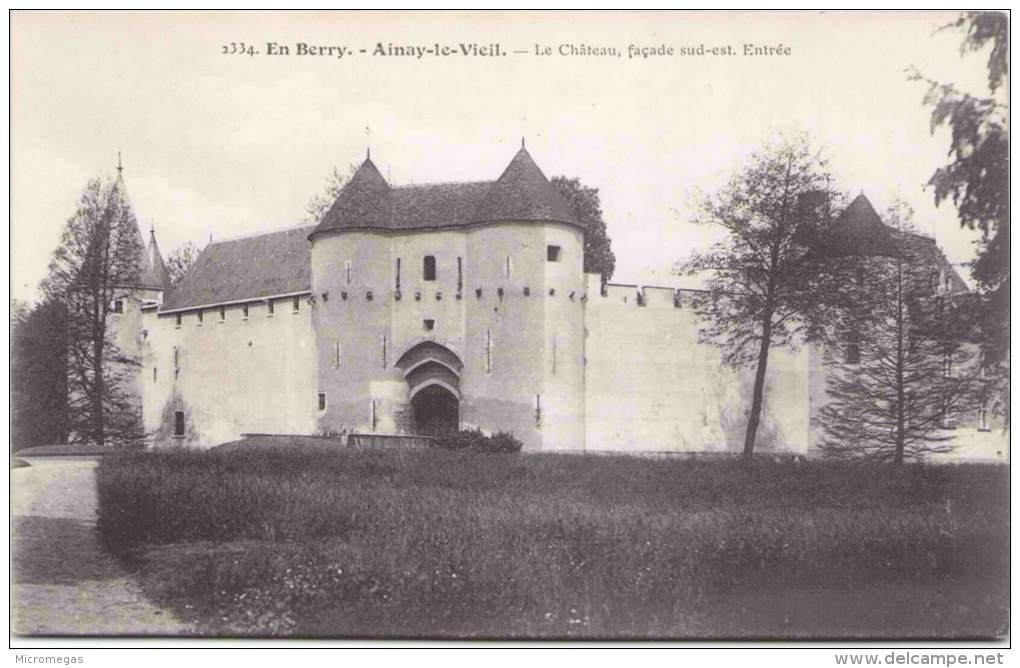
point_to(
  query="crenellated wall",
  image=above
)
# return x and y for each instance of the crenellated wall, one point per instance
(652, 386)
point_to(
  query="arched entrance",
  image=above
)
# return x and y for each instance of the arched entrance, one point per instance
(436, 410)
(432, 372)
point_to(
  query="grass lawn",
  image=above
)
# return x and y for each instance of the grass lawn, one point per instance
(315, 540)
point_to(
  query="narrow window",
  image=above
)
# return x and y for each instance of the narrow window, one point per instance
(384, 351)
(429, 324)
(398, 273)
(983, 365)
(178, 321)
(178, 423)
(460, 274)
(223, 314)
(118, 305)
(552, 253)
(244, 312)
(429, 268)
(322, 401)
(853, 348)
(337, 354)
(347, 272)
(177, 362)
(538, 411)
(154, 374)
(983, 415)
(297, 304)
(947, 362)
(201, 317)
(375, 419)
(508, 268)
(488, 351)
(270, 308)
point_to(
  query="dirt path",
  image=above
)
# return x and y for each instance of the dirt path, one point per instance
(64, 584)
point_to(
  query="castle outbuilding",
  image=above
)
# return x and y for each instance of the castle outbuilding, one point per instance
(409, 309)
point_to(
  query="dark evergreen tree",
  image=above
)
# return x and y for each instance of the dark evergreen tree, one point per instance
(38, 375)
(98, 262)
(895, 370)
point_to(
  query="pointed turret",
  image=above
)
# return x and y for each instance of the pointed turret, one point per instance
(365, 201)
(857, 231)
(155, 260)
(523, 193)
(148, 276)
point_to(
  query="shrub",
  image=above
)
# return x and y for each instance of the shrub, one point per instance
(474, 440)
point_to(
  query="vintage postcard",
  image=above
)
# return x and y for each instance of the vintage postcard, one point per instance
(530, 326)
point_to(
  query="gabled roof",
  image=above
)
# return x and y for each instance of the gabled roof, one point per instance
(249, 268)
(522, 193)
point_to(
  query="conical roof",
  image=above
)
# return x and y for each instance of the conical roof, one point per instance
(365, 201)
(147, 277)
(155, 260)
(523, 193)
(857, 231)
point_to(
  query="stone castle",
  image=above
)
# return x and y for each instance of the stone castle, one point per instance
(411, 308)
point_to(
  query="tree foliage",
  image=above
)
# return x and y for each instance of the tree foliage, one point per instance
(976, 178)
(320, 203)
(759, 292)
(98, 262)
(38, 375)
(895, 370)
(180, 261)
(584, 201)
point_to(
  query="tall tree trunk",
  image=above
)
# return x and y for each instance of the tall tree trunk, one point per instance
(759, 387)
(901, 395)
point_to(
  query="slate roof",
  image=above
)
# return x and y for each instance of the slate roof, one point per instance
(247, 268)
(154, 259)
(521, 193)
(859, 230)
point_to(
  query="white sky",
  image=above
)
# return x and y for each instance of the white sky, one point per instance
(226, 145)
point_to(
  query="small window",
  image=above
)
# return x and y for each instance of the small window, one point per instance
(178, 321)
(398, 273)
(429, 324)
(337, 354)
(244, 312)
(118, 305)
(429, 268)
(347, 272)
(853, 348)
(201, 317)
(297, 304)
(983, 415)
(553, 253)
(223, 314)
(947, 414)
(322, 401)
(508, 268)
(947, 362)
(983, 365)
(179, 423)
(270, 308)
(154, 374)
(177, 362)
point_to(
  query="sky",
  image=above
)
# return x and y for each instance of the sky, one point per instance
(219, 145)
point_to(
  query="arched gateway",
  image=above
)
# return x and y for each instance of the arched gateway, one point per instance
(433, 373)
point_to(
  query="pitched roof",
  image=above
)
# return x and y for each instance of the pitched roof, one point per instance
(254, 267)
(522, 193)
(857, 231)
(147, 277)
(155, 261)
(925, 250)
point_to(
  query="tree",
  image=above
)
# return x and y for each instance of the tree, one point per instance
(976, 178)
(584, 201)
(896, 371)
(38, 375)
(319, 204)
(98, 262)
(760, 293)
(180, 261)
